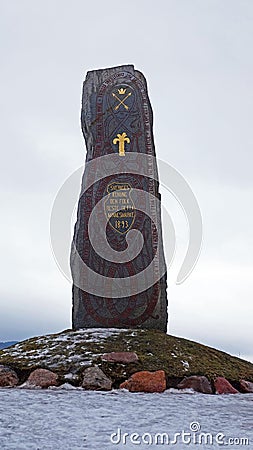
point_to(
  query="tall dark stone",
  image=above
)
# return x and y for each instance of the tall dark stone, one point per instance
(126, 286)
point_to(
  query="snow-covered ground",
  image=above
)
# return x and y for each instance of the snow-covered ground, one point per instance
(77, 419)
(64, 348)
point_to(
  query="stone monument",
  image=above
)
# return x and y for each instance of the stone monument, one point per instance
(117, 258)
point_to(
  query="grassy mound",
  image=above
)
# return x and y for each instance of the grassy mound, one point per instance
(69, 352)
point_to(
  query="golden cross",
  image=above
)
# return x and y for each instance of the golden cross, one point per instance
(121, 139)
(121, 102)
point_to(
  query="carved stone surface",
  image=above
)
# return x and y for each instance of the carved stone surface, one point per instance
(117, 125)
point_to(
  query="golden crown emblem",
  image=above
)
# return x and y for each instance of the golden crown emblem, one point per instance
(121, 91)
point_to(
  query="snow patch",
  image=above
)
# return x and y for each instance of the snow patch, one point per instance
(181, 391)
(65, 386)
(185, 365)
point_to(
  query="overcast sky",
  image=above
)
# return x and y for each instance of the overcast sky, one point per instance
(198, 60)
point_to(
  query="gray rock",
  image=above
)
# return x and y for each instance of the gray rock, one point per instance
(197, 383)
(94, 379)
(8, 377)
(246, 386)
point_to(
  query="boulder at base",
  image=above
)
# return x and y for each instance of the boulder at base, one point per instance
(8, 378)
(197, 383)
(246, 386)
(42, 378)
(222, 386)
(146, 382)
(94, 379)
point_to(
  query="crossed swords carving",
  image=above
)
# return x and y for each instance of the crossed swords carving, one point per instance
(121, 102)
